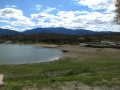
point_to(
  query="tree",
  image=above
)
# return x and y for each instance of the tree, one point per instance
(117, 16)
(81, 39)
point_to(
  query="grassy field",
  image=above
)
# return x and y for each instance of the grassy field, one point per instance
(96, 68)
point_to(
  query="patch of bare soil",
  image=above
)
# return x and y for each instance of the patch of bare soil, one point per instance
(74, 85)
(47, 45)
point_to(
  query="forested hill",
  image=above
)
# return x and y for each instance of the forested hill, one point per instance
(8, 32)
(50, 30)
(60, 31)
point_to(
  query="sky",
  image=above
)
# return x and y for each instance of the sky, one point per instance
(21, 15)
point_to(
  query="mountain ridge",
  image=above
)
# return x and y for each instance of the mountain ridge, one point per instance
(7, 32)
(58, 30)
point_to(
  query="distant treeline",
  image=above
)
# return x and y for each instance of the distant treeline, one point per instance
(60, 38)
(41, 38)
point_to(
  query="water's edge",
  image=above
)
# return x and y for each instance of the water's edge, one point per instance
(57, 57)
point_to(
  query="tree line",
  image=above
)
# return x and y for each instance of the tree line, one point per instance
(60, 38)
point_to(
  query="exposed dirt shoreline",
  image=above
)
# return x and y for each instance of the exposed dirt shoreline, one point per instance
(73, 52)
(73, 49)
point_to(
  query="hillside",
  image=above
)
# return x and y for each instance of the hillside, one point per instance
(8, 32)
(58, 30)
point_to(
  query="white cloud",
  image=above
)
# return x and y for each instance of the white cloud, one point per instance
(91, 20)
(26, 28)
(61, 19)
(10, 6)
(41, 16)
(95, 4)
(4, 21)
(15, 17)
(38, 7)
(14, 28)
(9, 27)
(8, 13)
(49, 9)
(66, 14)
(13, 6)
(110, 8)
(23, 22)
(96, 21)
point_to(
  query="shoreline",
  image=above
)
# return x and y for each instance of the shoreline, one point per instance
(40, 45)
(78, 64)
(71, 51)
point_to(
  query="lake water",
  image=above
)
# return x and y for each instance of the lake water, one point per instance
(21, 54)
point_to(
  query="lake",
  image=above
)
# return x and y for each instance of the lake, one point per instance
(21, 54)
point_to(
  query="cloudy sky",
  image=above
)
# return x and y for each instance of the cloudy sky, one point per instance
(20, 15)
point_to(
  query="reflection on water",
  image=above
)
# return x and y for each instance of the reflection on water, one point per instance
(20, 54)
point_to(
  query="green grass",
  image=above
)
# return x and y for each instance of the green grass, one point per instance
(95, 69)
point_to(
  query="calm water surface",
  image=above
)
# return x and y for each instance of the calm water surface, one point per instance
(20, 54)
